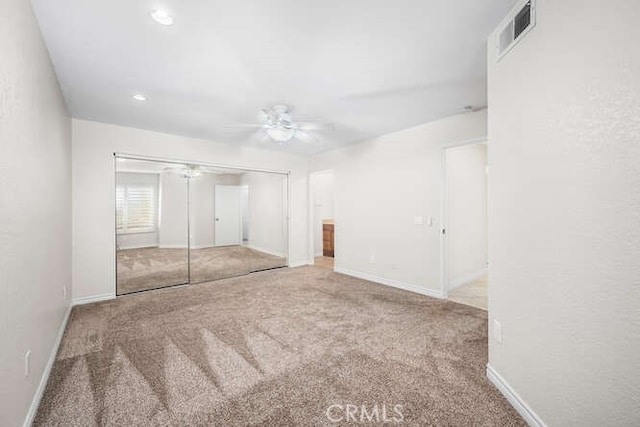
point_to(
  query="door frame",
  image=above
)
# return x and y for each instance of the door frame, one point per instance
(444, 290)
(311, 231)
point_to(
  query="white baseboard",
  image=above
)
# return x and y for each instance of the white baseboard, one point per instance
(266, 251)
(389, 282)
(516, 401)
(93, 298)
(298, 263)
(124, 248)
(201, 246)
(467, 278)
(35, 403)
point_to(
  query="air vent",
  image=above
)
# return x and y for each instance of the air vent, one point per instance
(515, 26)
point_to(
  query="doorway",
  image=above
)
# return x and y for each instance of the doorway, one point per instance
(465, 234)
(322, 218)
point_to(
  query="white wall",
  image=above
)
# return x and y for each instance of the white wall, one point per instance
(93, 168)
(244, 197)
(323, 194)
(381, 186)
(564, 213)
(35, 209)
(137, 240)
(202, 210)
(174, 211)
(466, 213)
(267, 212)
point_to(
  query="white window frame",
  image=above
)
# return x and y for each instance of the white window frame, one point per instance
(125, 229)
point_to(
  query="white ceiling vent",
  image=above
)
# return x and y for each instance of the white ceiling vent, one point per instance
(515, 26)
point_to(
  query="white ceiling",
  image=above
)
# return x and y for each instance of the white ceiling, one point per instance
(367, 66)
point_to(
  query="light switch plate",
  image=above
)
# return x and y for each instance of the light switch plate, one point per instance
(27, 364)
(418, 220)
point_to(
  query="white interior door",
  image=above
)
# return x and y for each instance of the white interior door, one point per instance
(466, 214)
(228, 215)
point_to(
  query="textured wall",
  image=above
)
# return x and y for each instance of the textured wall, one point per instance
(381, 186)
(267, 212)
(564, 213)
(35, 208)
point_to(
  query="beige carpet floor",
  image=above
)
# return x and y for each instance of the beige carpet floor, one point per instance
(152, 268)
(275, 348)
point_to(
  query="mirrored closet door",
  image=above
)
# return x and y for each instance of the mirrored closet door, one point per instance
(238, 223)
(152, 248)
(180, 223)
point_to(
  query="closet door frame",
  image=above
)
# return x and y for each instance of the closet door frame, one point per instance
(190, 163)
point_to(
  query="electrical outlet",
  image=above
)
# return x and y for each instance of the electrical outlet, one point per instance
(497, 331)
(27, 364)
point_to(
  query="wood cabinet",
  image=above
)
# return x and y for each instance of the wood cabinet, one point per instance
(327, 239)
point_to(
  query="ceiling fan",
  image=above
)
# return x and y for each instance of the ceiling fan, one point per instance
(278, 124)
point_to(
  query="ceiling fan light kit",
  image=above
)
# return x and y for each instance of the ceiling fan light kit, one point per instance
(280, 133)
(280, 127)
(278, 124)
(191, 172)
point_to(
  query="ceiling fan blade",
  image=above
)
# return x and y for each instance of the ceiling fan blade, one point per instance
(266, 116)
(174, 169)
(314, 125)
(305, 137)
(243, 125)
(264, 138)
(258, 137)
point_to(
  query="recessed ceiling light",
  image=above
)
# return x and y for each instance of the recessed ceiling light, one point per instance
(139, 97)
(161, 17)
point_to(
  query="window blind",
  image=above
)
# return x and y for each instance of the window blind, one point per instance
(135, 208)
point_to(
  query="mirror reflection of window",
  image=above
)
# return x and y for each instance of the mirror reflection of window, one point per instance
(137, 206)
